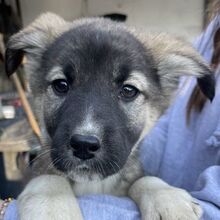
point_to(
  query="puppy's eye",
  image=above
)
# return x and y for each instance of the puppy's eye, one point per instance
(128, 92)
(60, 86)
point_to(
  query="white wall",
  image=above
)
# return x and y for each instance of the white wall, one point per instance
(179, 16)
(183, 17)
(68, 9)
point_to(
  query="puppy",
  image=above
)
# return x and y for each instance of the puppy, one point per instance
(99, 87)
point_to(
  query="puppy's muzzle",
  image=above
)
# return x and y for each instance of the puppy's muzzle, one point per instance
(84, 147)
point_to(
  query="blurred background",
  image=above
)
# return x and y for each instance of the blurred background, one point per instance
(19, 130)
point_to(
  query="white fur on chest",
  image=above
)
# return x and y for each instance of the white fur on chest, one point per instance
(106, 186)
(117, 184)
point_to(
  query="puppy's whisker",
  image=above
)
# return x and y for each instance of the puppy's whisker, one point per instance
(38, 157)
(97, 167)
(112, 163)
(68, 164)
(53, 163)
(115, 165)
(101, 168)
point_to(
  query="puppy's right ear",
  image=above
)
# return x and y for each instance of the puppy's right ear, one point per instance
(175, 58)
(33, 40)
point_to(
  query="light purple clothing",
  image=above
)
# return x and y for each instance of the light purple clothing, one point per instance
(184, 156)
(95, 208)
(188, 156)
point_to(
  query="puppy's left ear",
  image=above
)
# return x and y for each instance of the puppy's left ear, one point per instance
(32, 40)
(175, 58)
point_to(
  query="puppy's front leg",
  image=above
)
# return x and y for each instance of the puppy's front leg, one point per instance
(159, 201)
(48, 197)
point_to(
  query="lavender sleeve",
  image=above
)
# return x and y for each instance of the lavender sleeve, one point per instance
(11, 212)
(207, 188)
(95, 207)
(207, 192)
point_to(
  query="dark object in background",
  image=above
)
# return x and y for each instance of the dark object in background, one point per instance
(10, 23)
(116, 17)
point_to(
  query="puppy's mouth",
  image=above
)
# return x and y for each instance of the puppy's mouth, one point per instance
(85, 173)
(83, 168)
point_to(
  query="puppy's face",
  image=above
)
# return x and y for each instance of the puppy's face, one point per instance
(99, 90)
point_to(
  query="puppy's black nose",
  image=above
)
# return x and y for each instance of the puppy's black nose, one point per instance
(84, 147)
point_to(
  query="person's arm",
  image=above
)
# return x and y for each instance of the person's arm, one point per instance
(207, 189)
(207, 192)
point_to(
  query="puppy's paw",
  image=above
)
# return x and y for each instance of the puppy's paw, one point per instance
(48, 197)
(159, 201)
(169, 204)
